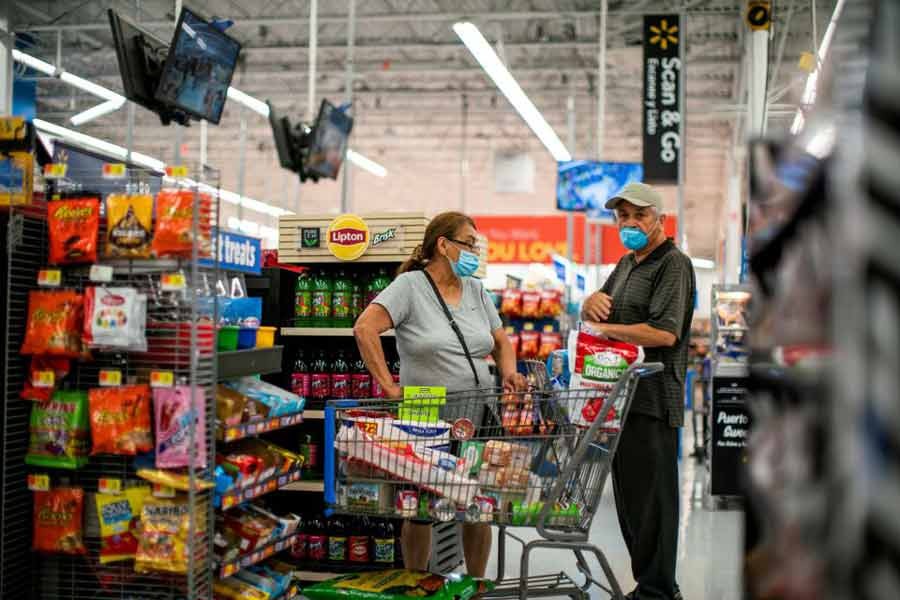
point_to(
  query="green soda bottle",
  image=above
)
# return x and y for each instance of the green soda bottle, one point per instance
(323, 290)
(303, 303)
(342, 300)
(377, 284)
(356, 298)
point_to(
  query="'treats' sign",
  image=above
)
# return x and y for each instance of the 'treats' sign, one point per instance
(347, 237)
(663, 78)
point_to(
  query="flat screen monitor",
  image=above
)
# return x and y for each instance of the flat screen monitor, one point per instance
(281, 131)
(199, 68)
(585, 185)
(140, 55)
(329, 141)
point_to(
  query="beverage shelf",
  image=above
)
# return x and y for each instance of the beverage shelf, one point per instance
(305, 486)
(242, 562)
(253, 361)
(271, 484)
(324, 332)
(245, 430)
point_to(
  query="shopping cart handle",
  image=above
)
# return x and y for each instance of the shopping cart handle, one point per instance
(645, 369)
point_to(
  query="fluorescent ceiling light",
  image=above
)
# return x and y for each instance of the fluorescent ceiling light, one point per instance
(96, 111)
(366, 163)
(35, 63)
(703, 263)
(90, 86)
(80, 138)
(257, 106)
(497, 71)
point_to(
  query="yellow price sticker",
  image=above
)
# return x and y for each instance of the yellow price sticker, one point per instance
(12, 128)
(172, 282)
(163, 491)
(228, 501)
(43, 379)
(229, 570)
(159, 379)
(38, 482)
(49, 278)
(232, 433)
(113, 170)
(110, 377)
(177, 171)
(55, 170)
(107, 485)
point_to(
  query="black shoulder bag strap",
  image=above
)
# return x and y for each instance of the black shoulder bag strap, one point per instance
(453, 324)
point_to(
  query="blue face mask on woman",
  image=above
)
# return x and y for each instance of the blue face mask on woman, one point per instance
(465, 265)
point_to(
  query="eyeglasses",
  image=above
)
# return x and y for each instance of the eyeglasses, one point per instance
(473, 247)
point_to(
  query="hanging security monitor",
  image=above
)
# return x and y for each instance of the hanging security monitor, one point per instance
(199, 68)
(141, 57)
(328, 142)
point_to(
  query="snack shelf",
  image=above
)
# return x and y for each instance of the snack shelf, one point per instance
(253, 361)
(245, 430)
(315, 575)
(305, 486)
(271, 484)
(324, 332)
(309, 571)
(242, 562)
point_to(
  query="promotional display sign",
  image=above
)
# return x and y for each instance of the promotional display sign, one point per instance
(237, 252)
(730, 431)
(663, 78)
(584, 185)
(347, 237)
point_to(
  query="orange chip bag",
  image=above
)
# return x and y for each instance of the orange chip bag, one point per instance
(175, 223)
(73, 226)
(57, 521)
(551, 304)
(531, 302)
(120, 420)
(54, 323)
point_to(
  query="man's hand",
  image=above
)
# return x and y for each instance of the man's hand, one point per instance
(514, 382)
(597, 307)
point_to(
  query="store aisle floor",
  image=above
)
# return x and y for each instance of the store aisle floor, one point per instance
(709, 544)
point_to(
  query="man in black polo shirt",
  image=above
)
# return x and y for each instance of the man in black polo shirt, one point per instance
(648, 300)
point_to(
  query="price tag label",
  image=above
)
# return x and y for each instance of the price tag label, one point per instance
(107, 485)
(161, 379)
(110, 377)
(12, 128)
(43, 379)
(38, 482)
(172, 282)
(113, 170)
(49, 278)
(177, 171)
(163, 491)
(101, 273)
(55, 170)
(232, 433)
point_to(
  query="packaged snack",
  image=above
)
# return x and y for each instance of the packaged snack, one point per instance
(178, 410)
(129, 225)
(115, 317)
(118, 515)
(175, 223)
(599, 363)
(529, 344)
(163, 535)
(73, 226)
(120, 420)
(551, 304)
(395, 584)
(230, 405)
(58, 521)
(550, 341)
(42, 392)
(472, 452)
(531, 305)
(178, 481)
(54, 323)
(511, 303)
(279, 402)
(16, 178)
(59, 432)
(235, 589)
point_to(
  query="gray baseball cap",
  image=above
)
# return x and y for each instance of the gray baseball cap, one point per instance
(639, 194)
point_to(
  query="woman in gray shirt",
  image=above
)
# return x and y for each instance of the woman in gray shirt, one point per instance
(431, 353)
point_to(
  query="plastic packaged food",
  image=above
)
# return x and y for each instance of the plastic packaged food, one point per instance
(178, 481)
(119, 518)
(395, 584)
(115, 317)
(58, 518)
(175, 223)
(599, 363)
(529, 342)
(550, 341)
(511, 303)
(176, 415)
(551, 304)
(120, 420)
(41, 392)
(235, 589)
(531, 305)
(130, 225)
(163, 536)
(54, 323)
(230, 405)
(59, 432)
(73, 226)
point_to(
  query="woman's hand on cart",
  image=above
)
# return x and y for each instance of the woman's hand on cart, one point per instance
(393, 392)
(514, 382)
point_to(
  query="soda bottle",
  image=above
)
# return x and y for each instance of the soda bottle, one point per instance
(342, 300)
(359, 542)
(340, 376)
(300, 545)
(309, 450)
(316, 540)
(337, 540)
(320, 377)
(377, 284)
(383, 542)
(360, 380)
(356, 297)
(303, 301)
(300, 377)
(322, 292)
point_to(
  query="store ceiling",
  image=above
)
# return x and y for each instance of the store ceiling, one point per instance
(413, 78)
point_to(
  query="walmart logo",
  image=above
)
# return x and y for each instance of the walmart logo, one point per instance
(664, 34)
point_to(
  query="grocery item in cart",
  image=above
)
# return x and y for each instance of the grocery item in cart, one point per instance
(163, 535)
(72, 226)
(58, 521)
(129, 225)
(120, 420)
(399, 432)
(119, 515)
(178, 410)
(395, 584)
(59, 431)
(54, 323)
(599, 363)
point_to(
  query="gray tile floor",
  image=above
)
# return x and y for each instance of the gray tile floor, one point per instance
(709, 545)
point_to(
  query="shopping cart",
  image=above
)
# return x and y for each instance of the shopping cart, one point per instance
(538, 459)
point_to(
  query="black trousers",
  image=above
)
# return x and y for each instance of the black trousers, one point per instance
(645, 481)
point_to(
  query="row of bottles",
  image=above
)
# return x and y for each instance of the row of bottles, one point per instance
(342, 540)
(325, 300)
(335, 376)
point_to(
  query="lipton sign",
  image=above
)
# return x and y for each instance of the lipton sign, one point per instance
(347, 237)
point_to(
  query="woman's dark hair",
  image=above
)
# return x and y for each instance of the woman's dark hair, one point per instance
(443, 225)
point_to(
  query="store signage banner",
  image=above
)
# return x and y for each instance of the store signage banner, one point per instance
(237, 252)
(730, 431)
(663, 78)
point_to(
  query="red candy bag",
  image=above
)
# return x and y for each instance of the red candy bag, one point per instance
(54, 323)
(58, 521)
(175, 223)
(120, 420)
(73, 226)
(599, 363)
(39, 391)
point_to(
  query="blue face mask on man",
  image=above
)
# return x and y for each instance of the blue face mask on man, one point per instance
(465, 265)
(633, 238)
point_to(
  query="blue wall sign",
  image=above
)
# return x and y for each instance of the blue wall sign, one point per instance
(237, 252)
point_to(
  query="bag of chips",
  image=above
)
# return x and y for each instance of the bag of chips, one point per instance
(59, 432)
(58, 521)
(175, 223)
(54, 323)
(129, 225)
(176, 415)
(163, 535)
(120, 420)
(599, 363)
(115, 317)
(395, 584)
(529, 341)
(119, 516)
(511, 303)
(531, 304)
(551, 304)
(73, 226)
(550, 341)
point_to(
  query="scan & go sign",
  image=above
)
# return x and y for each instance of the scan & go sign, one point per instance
(347, 237)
